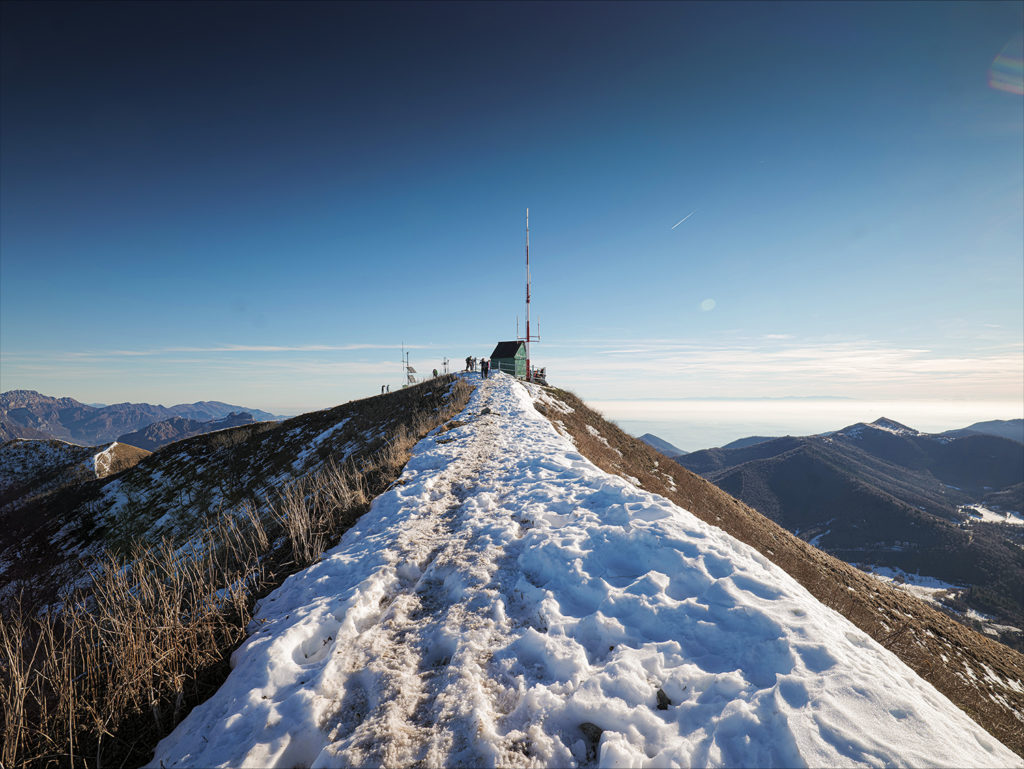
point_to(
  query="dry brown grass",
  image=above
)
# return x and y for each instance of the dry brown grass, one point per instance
(950, 656)
(315, 509)
(99, 680)
(115, 666)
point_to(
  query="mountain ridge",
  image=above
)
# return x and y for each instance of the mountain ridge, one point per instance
(659, 444)
(181, 486)
(159, 434)
(885, 495)
(1006, 428)
(519, 602)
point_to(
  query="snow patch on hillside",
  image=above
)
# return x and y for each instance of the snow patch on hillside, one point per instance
(930, 589)
(507, 603)
(557, 405)
(314, 444)
(934, 590)
(989, 626)
(102, 462)
(983, 514)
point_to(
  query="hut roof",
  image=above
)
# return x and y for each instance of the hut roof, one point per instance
(506, 349)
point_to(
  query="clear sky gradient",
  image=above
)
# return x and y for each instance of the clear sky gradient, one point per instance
(258, 203)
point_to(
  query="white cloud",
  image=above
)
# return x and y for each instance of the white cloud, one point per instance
(783, 366)
(234, 348)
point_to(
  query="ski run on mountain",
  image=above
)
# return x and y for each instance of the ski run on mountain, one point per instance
(507, 603)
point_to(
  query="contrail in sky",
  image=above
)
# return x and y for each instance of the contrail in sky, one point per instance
(684, 218)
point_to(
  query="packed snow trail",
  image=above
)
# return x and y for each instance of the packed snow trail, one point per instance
(509, 604)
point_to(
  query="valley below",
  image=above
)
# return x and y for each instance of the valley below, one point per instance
(942, 514)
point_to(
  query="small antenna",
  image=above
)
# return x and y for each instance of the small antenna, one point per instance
(409, 371)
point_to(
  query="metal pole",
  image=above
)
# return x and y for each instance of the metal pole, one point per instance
(529, 373)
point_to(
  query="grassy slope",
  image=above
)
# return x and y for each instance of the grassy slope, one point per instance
(179, 488)
(972, 670)
(158, 640)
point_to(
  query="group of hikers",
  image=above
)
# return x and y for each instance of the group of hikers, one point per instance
(471, 364)
(485, 365)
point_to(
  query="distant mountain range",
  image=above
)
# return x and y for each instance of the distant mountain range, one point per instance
(1005, 428)
(662, 446)
(949, 505)
(28, 414)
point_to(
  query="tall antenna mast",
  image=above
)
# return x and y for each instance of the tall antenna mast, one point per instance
(529, 337)
(529, 371)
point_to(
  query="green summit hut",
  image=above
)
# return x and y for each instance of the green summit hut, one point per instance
(510, 357)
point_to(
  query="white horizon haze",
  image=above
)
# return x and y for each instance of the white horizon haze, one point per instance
(693, 393)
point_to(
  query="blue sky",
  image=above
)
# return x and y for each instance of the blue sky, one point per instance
(258, 203)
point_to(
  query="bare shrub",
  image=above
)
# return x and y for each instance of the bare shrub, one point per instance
(19, 652)
(293, 514)
(119, 660)
(232, 436)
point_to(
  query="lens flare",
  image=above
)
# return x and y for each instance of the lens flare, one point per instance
(1007, 70)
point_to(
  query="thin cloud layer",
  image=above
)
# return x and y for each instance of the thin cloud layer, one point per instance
(303, 377)
(783, 367)
(225, 348)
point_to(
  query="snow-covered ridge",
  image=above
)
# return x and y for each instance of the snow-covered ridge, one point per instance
(894, 427)
(509, 604)
(882, 425)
